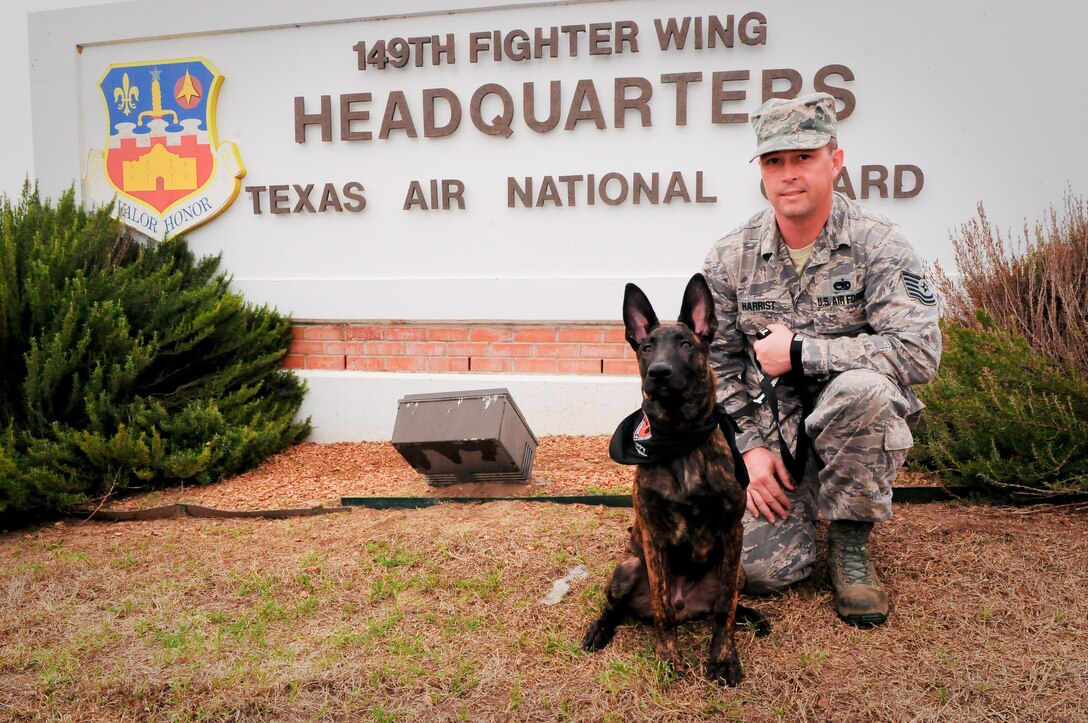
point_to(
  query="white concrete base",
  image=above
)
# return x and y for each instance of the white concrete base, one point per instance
(347, 406)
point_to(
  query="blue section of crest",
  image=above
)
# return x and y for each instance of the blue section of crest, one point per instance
(127, 106)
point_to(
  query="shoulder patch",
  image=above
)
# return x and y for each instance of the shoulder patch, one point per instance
(919, 289)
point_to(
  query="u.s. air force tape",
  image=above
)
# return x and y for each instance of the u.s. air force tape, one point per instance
(918, 288)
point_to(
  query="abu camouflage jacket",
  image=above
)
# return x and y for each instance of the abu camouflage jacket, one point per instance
(862, 301)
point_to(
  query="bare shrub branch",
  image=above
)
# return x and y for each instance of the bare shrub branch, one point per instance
(1034, 283)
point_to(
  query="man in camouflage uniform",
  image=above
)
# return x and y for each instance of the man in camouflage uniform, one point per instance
(830, 299)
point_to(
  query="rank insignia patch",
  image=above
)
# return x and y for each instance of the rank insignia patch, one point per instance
(919, 289)
(163, 162)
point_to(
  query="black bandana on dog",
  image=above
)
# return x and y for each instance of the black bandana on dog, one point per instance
(637, 441)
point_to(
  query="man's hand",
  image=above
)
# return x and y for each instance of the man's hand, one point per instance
(773, 351)
(766, 478)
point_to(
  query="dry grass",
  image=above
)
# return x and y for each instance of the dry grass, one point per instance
(432, 615)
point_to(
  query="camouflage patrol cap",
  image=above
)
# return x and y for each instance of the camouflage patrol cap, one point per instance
(802, 123)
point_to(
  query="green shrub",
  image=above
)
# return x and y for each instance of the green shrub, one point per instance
(1003, 418)
(126, 364)
(1008, 412)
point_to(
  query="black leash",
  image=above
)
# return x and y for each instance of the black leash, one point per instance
(899, 494)
(795, 464)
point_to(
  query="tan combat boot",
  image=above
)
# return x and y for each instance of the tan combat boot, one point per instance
(859, 597)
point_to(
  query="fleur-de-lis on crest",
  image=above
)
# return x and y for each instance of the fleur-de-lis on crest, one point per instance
(126, 96)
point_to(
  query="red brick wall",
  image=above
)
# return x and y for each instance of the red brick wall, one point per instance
(422, 347)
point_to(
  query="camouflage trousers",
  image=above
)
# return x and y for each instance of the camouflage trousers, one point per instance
(860, 433)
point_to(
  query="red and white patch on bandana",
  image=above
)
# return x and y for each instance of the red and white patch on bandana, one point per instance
(642, 431)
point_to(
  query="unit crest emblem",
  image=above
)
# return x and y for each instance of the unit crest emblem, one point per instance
(163, 162)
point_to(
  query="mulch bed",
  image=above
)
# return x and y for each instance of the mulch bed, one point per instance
(310, 474)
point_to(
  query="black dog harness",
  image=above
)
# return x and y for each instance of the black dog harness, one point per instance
(637, 440)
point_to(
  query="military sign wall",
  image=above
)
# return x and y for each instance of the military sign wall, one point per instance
(524, 160)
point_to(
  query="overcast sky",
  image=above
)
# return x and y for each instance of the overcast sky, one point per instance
(14, 59)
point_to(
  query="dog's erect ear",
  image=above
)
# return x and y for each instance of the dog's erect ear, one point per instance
(638, 316)
(697, 311)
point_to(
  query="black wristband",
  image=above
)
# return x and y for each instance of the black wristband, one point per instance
(795, 354)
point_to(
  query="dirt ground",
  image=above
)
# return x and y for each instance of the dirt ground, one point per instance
(434, 614)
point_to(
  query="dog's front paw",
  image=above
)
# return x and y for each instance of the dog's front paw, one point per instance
(599, 635)
(668, 655)
(728, 671)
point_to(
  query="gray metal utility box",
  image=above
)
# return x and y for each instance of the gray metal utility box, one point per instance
(469, 436)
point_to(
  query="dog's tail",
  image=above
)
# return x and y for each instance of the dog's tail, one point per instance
(754, 619)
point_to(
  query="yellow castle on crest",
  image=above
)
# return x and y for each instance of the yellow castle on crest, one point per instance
(159, 165)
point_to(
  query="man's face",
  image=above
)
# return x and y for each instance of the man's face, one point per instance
(799, 183)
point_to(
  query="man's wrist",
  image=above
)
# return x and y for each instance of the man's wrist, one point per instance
(795, 353)
(753, 448)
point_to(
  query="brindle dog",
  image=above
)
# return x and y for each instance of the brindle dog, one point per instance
(683, 558)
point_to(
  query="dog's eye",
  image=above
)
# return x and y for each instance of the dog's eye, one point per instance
(685, 345)
(646, 348)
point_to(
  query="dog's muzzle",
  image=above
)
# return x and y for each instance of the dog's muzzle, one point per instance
(659, 372)
(660, 380)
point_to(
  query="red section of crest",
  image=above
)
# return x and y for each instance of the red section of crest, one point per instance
(642, 431)
(164, 177)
